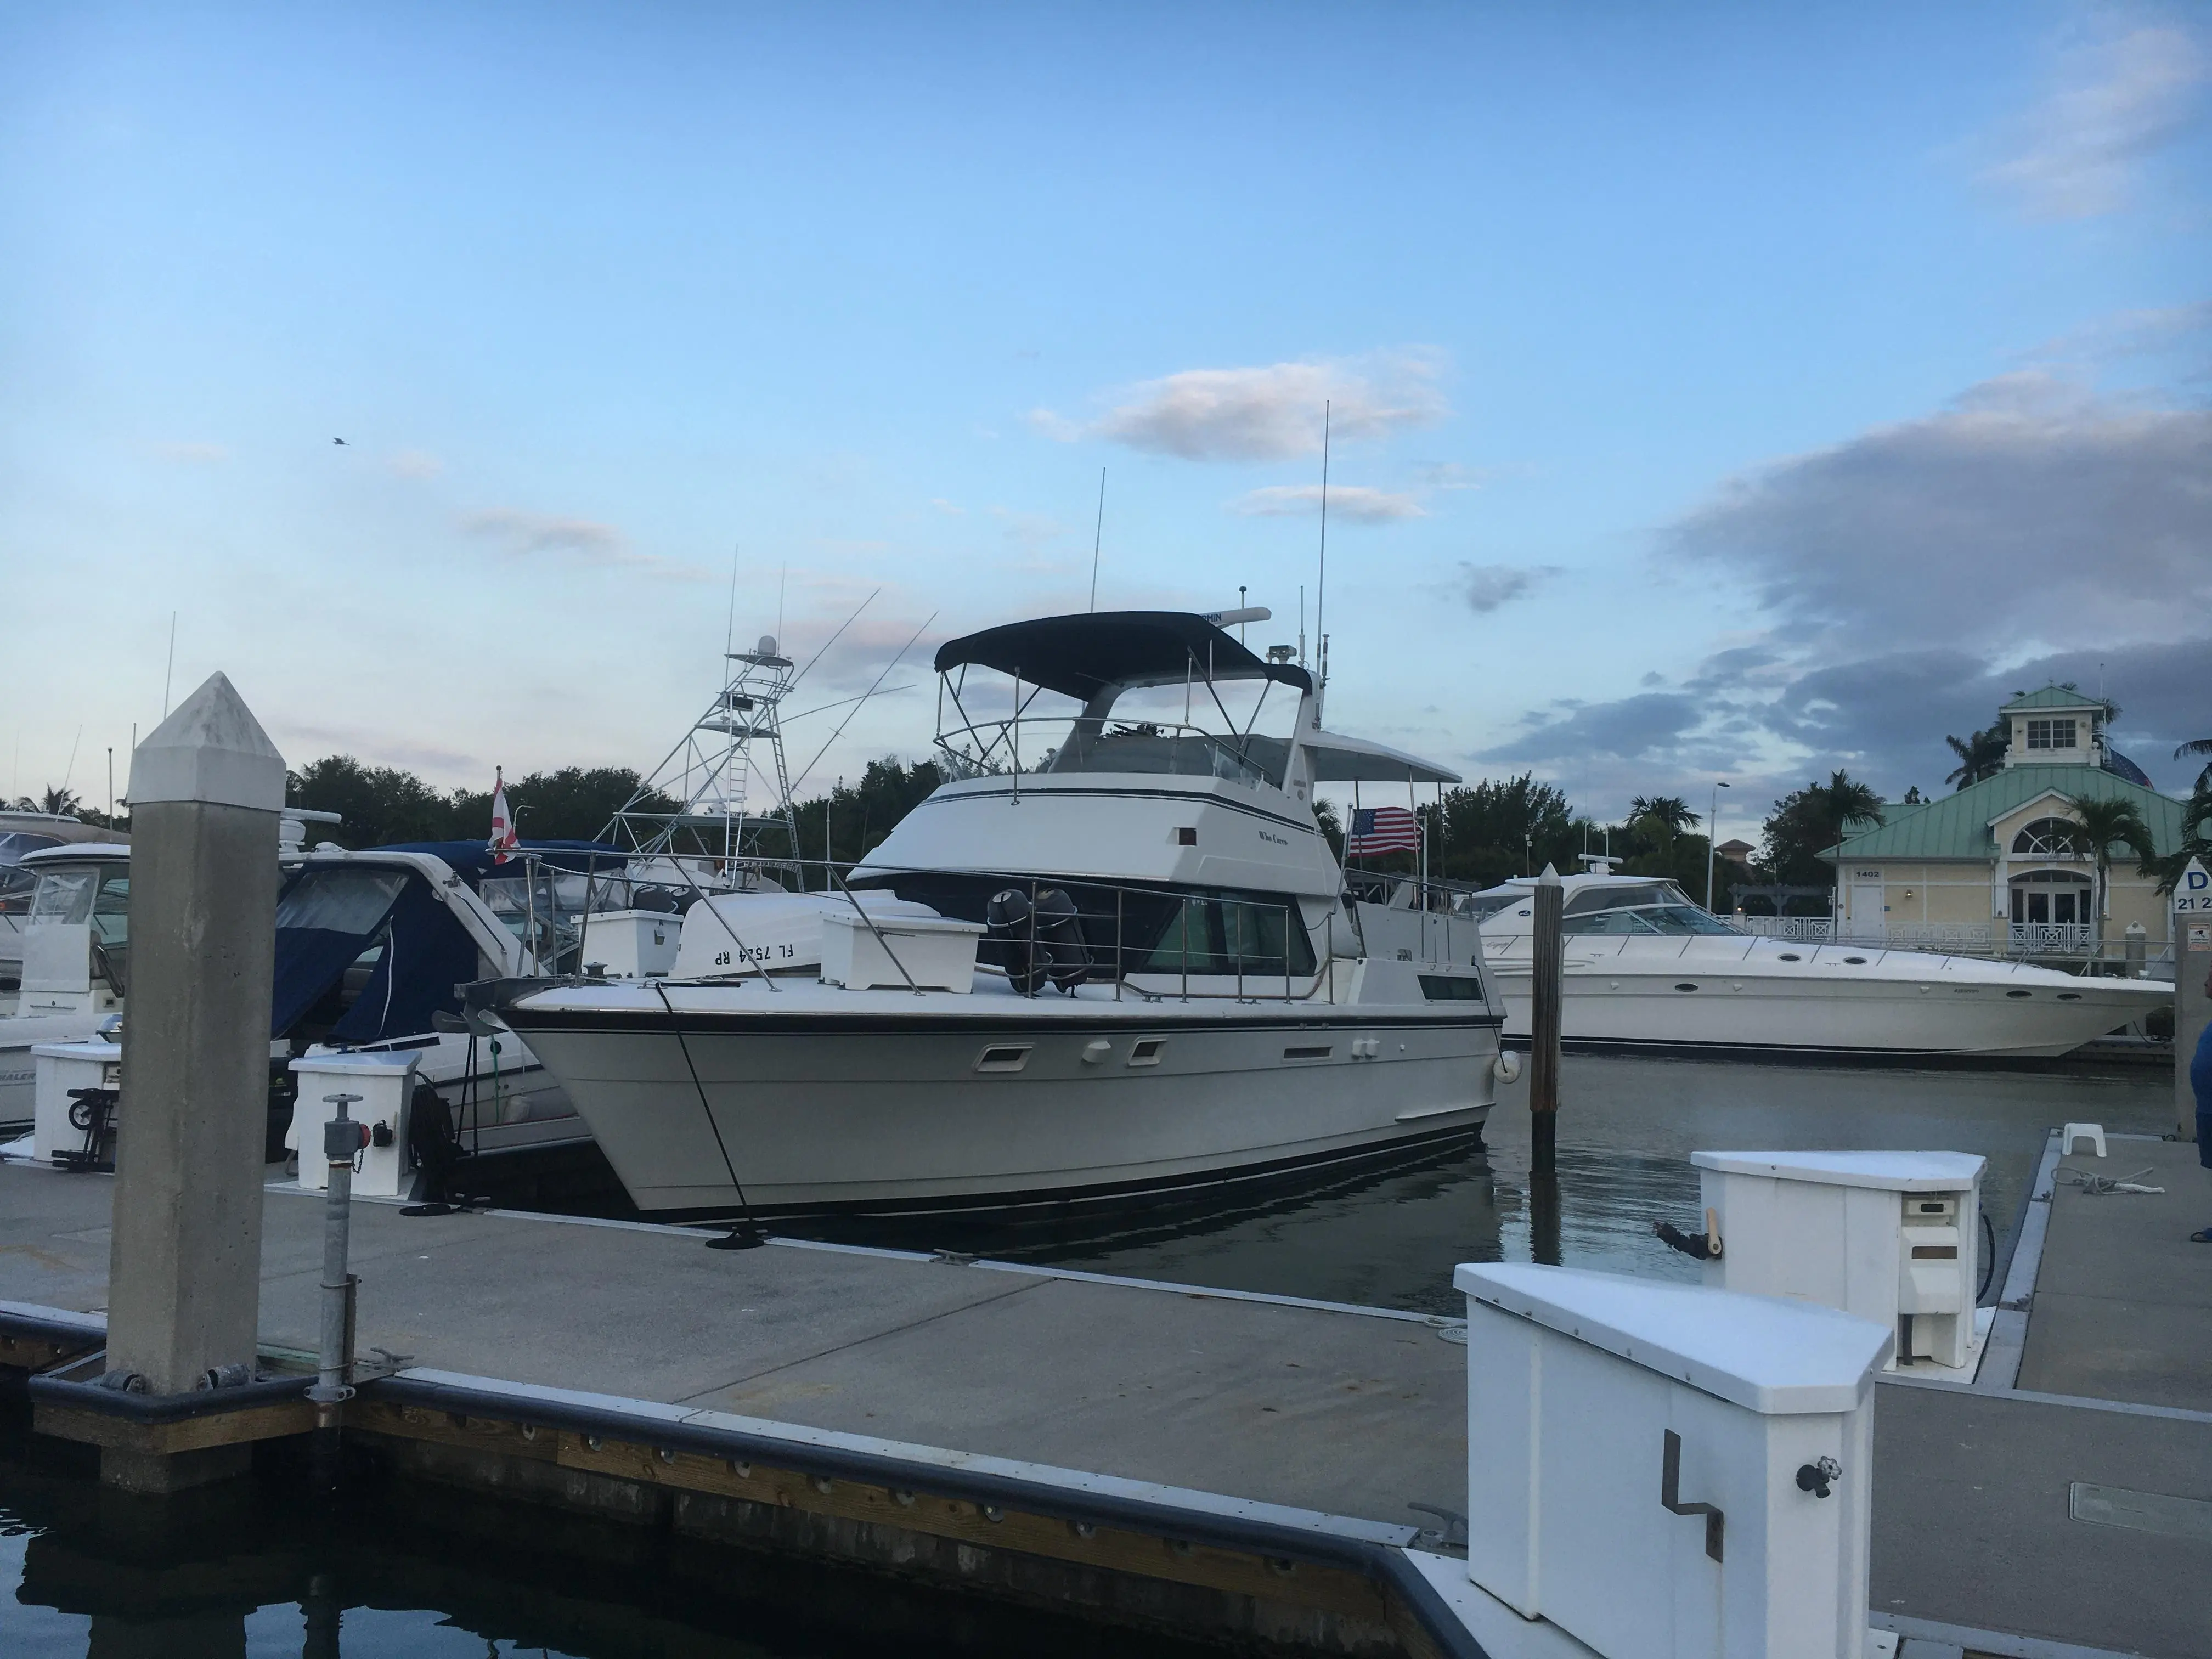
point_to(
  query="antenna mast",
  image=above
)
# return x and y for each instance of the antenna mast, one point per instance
(1098, 535)
(1321, 590)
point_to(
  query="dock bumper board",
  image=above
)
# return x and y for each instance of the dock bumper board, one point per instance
(1198, 1517)
(1335, 1565)
(35, 1339)
(170, 1423)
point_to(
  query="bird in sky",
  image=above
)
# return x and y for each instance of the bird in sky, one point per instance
(337, 440)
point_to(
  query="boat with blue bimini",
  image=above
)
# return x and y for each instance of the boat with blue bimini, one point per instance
(1111, 954)
(369, 947)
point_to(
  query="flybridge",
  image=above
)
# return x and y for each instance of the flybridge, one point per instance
(1154, 692)
(1084, 656)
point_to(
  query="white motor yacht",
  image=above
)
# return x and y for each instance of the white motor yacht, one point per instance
(1645, 968)
(1111, 954)
(74, 948)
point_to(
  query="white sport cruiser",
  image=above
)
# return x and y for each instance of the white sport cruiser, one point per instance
(1648, 968)
(1112, 954)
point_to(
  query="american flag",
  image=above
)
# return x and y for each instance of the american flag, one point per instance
(1384, 830)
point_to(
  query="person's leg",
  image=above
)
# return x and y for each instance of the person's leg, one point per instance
(2204, 1235)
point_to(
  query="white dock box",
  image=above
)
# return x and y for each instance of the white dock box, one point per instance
(386, 1083)
(935, 952)
(1886, 1236)
(57, 1068)
(1634, 1458)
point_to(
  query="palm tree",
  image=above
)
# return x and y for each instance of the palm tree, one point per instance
(1668, 813)
(2100, 826)
(60, 803)
(1841, 802)
(1844, 800)
(2196, 843)
(2199, 746)
(1981, 756)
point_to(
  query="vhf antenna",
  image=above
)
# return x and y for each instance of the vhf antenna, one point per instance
(1096, 535)
(1321, 590)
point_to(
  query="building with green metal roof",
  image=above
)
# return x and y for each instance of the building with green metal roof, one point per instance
(1996, 866)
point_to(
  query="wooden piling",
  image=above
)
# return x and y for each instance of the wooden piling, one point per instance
(1545, 990)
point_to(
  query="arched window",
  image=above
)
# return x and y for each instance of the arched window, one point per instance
(2048, 838)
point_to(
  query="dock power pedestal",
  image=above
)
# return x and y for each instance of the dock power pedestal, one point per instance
(1663, 1471)
(1894, 1237)
(384, 1084)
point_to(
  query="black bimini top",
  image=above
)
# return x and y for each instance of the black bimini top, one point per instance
(1082, 656)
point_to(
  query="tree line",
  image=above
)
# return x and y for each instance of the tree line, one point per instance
(1481, 833)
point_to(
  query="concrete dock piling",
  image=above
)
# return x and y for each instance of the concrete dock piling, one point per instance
(206, 789)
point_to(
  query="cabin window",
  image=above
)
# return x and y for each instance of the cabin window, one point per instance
(1451, 988)
(1145, 1051)
(1003, 1057)
(1229, 936)
(2051, 734)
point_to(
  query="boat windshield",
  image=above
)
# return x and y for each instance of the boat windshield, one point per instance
(1482, 905)
(77, 893)
(1238, 730)
(1658, 907)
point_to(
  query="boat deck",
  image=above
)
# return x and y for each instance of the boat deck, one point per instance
(1352, 1413)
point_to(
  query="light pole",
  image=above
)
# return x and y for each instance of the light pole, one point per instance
(1712, 840)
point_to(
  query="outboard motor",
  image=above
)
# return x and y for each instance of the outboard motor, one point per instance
(1036, 944)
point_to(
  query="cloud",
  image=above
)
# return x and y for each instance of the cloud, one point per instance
(2120, 99)
(1353, 501)
(201, 454)
(1451, 474)
(2029, 513)
(1911, 579)
(949, 508)
(1034, 533)
(2124, 334)
(1266, 413)
(1648, 725)
(371, 748)
(581, 541)
(1484, 587)
(415, 464)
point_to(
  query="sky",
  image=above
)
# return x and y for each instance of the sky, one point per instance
(1715, 391)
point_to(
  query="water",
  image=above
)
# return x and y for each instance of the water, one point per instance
(255, 1569)
(419, 1571)
(1390, 1237)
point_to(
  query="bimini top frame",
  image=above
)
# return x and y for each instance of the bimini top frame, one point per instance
(1084, 656)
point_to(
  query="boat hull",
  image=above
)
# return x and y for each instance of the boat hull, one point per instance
(890, 1115)
(1829, 1000)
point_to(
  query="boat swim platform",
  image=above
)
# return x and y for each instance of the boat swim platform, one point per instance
(1219, 1463)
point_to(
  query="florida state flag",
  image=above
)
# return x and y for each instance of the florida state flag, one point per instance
(503, 844)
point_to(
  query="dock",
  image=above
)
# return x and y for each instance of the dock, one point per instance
(1228, 1465)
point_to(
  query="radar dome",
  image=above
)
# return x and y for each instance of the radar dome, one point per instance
(767, 646)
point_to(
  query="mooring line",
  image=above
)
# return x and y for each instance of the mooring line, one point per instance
(750, 1233)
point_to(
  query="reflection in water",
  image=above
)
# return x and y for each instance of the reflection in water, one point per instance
(1390, 1233)
(251, 1567)
(1544, 1219)
(1390, 1237)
